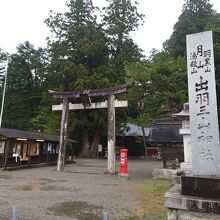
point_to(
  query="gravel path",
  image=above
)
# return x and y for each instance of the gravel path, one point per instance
(82, 192)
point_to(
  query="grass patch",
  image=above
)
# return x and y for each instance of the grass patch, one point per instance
(151, 197)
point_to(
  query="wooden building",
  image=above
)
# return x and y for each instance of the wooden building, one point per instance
(25, 148)
(164, 133)
(131, 138)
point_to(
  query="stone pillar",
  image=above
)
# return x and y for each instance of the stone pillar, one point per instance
(185, 131)
(111, 134)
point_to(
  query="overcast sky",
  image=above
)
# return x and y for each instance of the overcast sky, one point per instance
(24, 20)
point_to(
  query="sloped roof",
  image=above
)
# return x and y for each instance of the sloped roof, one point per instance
(134, 130)
(15, 133)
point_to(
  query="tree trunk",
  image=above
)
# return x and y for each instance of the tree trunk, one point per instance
(171, 105)
(85, 142)
(95, 142)
(144, 139)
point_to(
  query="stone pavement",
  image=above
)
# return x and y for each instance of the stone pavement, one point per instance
(83, 191)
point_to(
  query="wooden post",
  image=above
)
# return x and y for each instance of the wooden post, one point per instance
(164, 163)
(29, 152)
(63, 135)
(6, 154)
(72, 152)
(111, 134)
(47, 159)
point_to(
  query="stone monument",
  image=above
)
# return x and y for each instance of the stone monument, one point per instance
(203, 105)
(198, 195)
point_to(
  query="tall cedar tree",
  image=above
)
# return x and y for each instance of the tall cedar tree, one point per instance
(23, 94)
(197, 16)
(81, 58)
(214, 25)
(120, 19)
(194, 18)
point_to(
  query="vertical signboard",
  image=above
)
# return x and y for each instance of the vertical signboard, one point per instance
(203, 105)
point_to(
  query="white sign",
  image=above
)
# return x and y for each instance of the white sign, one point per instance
(49, 147)
(203, 105)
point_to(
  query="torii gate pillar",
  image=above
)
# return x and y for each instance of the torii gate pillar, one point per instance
(111, 134)
(63, 135)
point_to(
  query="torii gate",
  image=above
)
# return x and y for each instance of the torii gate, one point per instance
(85, 95)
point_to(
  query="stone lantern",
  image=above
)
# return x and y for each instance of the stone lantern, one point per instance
(185, 131)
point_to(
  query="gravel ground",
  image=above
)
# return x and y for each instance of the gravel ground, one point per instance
(82, 192)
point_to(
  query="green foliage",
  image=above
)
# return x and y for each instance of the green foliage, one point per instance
(214, 25)
(79, 57)
(119, 20)
(45, 119)
(82, 54)
(23, 94)
(3, 55)
(194, 18)
(86, 55)
(159, 87)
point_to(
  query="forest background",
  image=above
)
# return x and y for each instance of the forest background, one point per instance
(92, 48)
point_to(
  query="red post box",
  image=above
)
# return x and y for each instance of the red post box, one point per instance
(123, 162)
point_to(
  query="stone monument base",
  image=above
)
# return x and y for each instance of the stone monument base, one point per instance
(185, 207)
(167, 174)
(123, 176)
(186, 167)
(201, 186)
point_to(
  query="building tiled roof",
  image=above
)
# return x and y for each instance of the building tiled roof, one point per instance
(134, 130)
(15, 133)
(165, 130)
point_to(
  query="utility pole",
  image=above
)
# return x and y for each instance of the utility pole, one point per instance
(3, 72)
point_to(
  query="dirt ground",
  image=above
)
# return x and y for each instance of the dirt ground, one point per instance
(82, 192)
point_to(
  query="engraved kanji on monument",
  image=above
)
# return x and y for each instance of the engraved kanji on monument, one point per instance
(203, 105)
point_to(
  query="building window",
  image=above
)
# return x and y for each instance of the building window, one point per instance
(2, 147)
(35, 149)
(54, 149)
(25, 151)
(49, 147)
(18, 149)
(45, 148)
